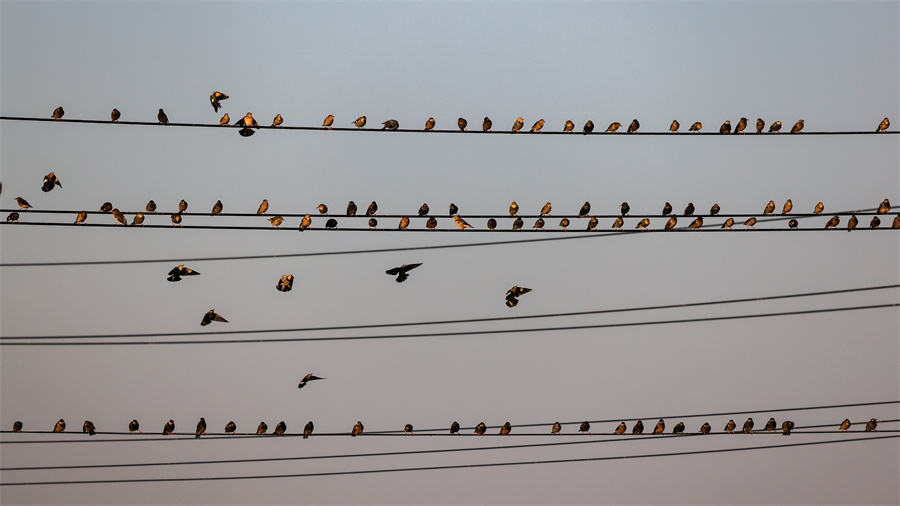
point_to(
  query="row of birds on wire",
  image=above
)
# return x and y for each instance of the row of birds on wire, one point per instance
(480, 429)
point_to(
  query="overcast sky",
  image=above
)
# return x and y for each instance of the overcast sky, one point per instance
(833, 64)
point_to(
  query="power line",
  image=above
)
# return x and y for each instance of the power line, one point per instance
(448, 467)
(468, 320)
(455, 333)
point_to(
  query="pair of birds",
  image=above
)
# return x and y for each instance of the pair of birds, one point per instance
(481, 428)
(870, 425)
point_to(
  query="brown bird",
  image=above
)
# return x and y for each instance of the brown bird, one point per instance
(212, 316)
(505, 430)
(230, 427)
(539, 224)
(168, 428)
(134, 426)
(705, 428)
(61, 426)
(620, 429)
(280, 429)
(480, 429)
(775, 127)
(875, 223)
(402, 271)
(750, 222)
(714, 210)
(285, 283)
(728, 224)
(360, 123)
(461, 123)
(59, 112)
(262, 428)
(797, 127)
(787, 207)
(689, 209)
(323, 209)
(461, 223)
(852, 223)
(638, 428)
(885, 123)
(770, 208)
(696, 127)
(408, 429)
(613, 126)
(180, 271)
(357, 429)
(569, 126)
(697, 223)
(760, 124)
(896, 223)
(161, 116)
(431, 224)
(81, 217)
(674, 126)
(372, 208)
(545, 211)
(667, 209)
(50, 181)
(748, 426)
(305, 222)
(679, 428)
(151, 207)
(423, 211)
(215, 98)
(585, 427)
(217, 208)
(742, 124)
(786, 427)
(617, 225)
(247, 121)
(306, 379)
(771, 425)
(870, 426)
(176, 220)
(538, 125)
(429, 125)
(725, 129)
(224, 121)
(592, 223)
(643, 224)
(491, 224)
(660, 427)
(120, 218)
(729, 427)
(670, 225)
(331, 224)
(329, 120)
(404, 223)
(486, 125)
(105, 208)
(24, 205)
(308, 429)
(390, 124)
(883, 208)
(89, 428)
(518, 223)
(518, 125)
(513, 209)
(564, 224)
(819, 208)
(373, 223)
(556, 428)
(182, 207)
(351, 208)
(585, 209)
(833, 222)
(276, 221)
(845, 425)
(277, 121)
(588, 127)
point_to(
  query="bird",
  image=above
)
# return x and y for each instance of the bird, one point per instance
(696, 127)
(617, 225)
(512, 302)
(285, 283)
(331, 224)
(23, 204)
(674, 126)
(491, 224)
(875, 223)
(402, 271)
(217, 207)
(896, 223)
(771, 425)
(638, 427)
(461, 123)
(625, 208)
(705, 428)
(168, 428)
(538, 125)
(569, 127)
(372, 208)
(351, 208)
(797, 127)
(59, 112)
(182, 207)
(247, 121)
(262, 428)
(643, 224)
(845, 425)
(786, 427)
(50, 181)
(833, 222)
(819, 208)
(660, 427)
(280, 429)
(679, 428)
(224, 120)
(230, 427)
(518, 125)
(728, 224)
(60, 426)
(276, 221)
(667, 209)
(408, 429)
(564, 223)
(120, 218)
(505, 430)
(518, 223)
(246, 132)
(748, 426)
(81, 217)
(613, 126)
(431, 224)
(179, 271)
(357, 429)
(585, 427)
(513, 209)
(750, 222)
(885, 123)
(309, 377)
(729, 427)
(486, 124)
(670, 225)
(714, 210)
(461, 223)
(697, 223)
(516, 291)
(372, 223)
(793, 224)
(592, 223)
(545, 211)
(212, 316)
(215, 98)
(787, 207)
(556, 428)
(725, 129)
(308, 429)
(480, 429)
(329, 120)
(633, 127)
(423, 211)
(588, 127)
(305, 222)
(429, 125)
(770, 208)
(176, 220)
(585, 209)
(775, 127)
(742, 124)
(151, 207)
(277, 121)
(852, 222)
(870, 426)
(454, 428)
(883, 208)
(689, 209)
(323, 209)
(161, 116)
(620, 429)
(134, 426)
(390, 124)
(539, 224)
(453, 209)
(105, 208)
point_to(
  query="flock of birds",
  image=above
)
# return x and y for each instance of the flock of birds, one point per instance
(585, 428)
(247, 123)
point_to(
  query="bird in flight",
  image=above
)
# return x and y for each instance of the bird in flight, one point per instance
(215, 98)
(309, 377)
(402, 271)
(212, 316)
(178, 272)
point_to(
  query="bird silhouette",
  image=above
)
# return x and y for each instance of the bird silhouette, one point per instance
(620, 429)
(212, 316)
(305, 222)
(729, 427)
(168, 428)
(373, 207)
(585, 427)
(518, 125)
(674, 126)
(670, 225)
(80, 218)
(696, 127)
(285, 283)
(308, 429)
(588, 127)
(871, 425)
(728, 224)
(689, 209)
(545, 211)
(262, 428)
(408, 429)
(750, 222)
(461, 223)
(309, 377)
(775, 127)
(276, 221)
(454, 428)
(513, 209)
(638, 428)
(725, 129)
(480, 429)
(633, 127)
(564, 223)
(402, 271)
(180, 271)
(351, 208)
(556, 428)
(852, 222)
(538, 125)
(667, 209)
(569, 127)
(786, 427)
(883, 208)
(360, 122)
(660, 427)
(280, 429)
(161, 116)
(151, 207)
(742, 124)
(230, 427)
(748, 426)
(134, 426)
(833, 222)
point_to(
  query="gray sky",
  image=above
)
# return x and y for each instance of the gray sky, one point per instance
(833, 64)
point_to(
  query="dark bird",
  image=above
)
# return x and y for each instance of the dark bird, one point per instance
(760, 124)
(833, 222)
(852, 223)
(277, 121)
(617, 225)
(461, 123)
(643, 224)
(285, 283)
(120, 218)
(674, 126)
(896, 223)
(689, 210)
(305, 222)
(556, 428)
(351, 208)
(491, 224)
(742, 124)
(564, 223)
(60, 426)
(518, 125)
(262, 428)
(592, 223)
(775, 127)
(105, 208)
(538, 125)
(17, 426)
(215, 98)
(81, 217)
(453, 209)
(705, 428)
(408, 429)
(588, 127)
(819, 208)
(217, 207)
(697, 223)
(486, 124)
(625, 208)
(786, 427)
(679, 428)
(585, 427)
(402, 271)
(423, 211)
(180, 271)
(89, 428)
(23, 204)
(770, 208)
(545, 211)
(633, 127)
(883, 208)
(461, 223)
(151, 207)
(323, 209)
(454, 428)
(748, 426)
(390, 124)
(210, 317)
(670, 225)
(134, 426)
(875, 223)
(247, 121)
(714, 210)
(224, 120)
(168, 428)
(845, 425)
(660, 427)
(787, 207)
(885, 123)
(870, 426)
(280, 429)
(161, 116)
(50, 180)
(480, 429)
(725, 128)
(518, 223)
(517, 291)
(696, 127)
(797, 127)
(308, 429)
(667, 209)
(431, 224)
(329, 120)
(539, 224)
(613, 126)
(729, 427)
(512, 301)
(505, 430)
(276, 221)
(59, 112)
(620, 429)
(246, 132)
(793, 224)
(638, 427)
(309, 377)
(771, 425)
(372, 223)
(182, 207)
(372, 208)
(728, 223)
(357, 429)
(230, 427)
(569, 126)
(750, 222)
(513, 209)
(585, 209)
(429, 125)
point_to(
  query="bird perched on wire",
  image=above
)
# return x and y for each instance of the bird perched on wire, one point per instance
(797, 127)
(480, 429)
(215, 98)
(896, 222)
(643, 224)
(513, 209)
(518, 125)
(357, 429)
(372, 208)
(625, 208)
(408, 429)
(786, 427)
(875, 223)
(674, 126)
(819, 208)
(770, 208)
(276, 221)
(538, 125)
(697, 223)
(585, 209)
(212, 316)
(134, 426)
(329, 120)
(771, 425)
(518, 223)
(725, 129)
(670, 225)
(714, 210)
(429, 125)
(277, 121)
(285, 283)
(305, 222)
(59, 112)
(729, 223)
(423, 211)
(224, 120)
(308, 429)
(748, 426)
(750, 222)
(667, 209)
(182, 207)
(262, 428)
(845, 425)
(564, 224)
(833, 222)
(775, 127)
(592, 223)
(230, 427)
(638, 428)
(729, 427)
(620, 429)
(883, 126)
(679, 428)
(431, 224)
(585, 427)
(569, 127)
(462, 123)
(390, 124)
(168, 428)
(705, 428)
(696, 127)
(556, 428)
(613, 126)
(247, 121)
(539, 224)
(742, 124)
(280, 429)
(660, 427)
(461, 223)
(372, 223)
(454, 427)
(689, 209)
(351, 208)
(760, 124)
(161, 116)
(50, 181)
(23, 204)
(120, 218)
(323, 209)
(180, 271)
(402, 271)
(793, 224)
(60, 426)
(870, 426)
(453, 209)
(491, 224)
(545, 211)
(852, 223)
(360, 123)
(506, 429)
(217, 208)
(633, 127)
(306, 379)
(617, 225)
(486, 124)
(331, 224)
(106, 207)
(787, 207)
(151, 207)
(588, 127)
(883, 208)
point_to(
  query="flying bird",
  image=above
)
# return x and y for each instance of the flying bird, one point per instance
(120, 218)
(453, 209)
(728, 224)
(775, 127)
(81, 217)
(210, 317)
(285, 283)
(309, 377)
(539, 224)
(545, 211)
(885, 123)
(151, 207)
(770, 208)
(585, 209)
(787, 207)
(402, 271)
(518, 223)
(276, 221)
(750, 223)
(689, 209)
(461, 123)
(329, 120)
(729, 427)
(230, 427)
(357, 429)
(870, 426)
(134, 426)
(748, 426)
(725, 129)
(308, 429)
(161, 116)
(674, 126)
(280, 429)
(617, 225)
(638, 428)
(277, 121)
(262, 428)
(569, 126)
(518, 125)
(431, 224)
(429, 125)
(852, 223)
(592, 223)
(491, 224)
(679, 428)
(168, 428)
(667, 209)
(180, 271)
(714, 210)
(538, 125)
(556, 428)
(408, 429)
(660, 427)
(217, 208)
(620, 429)
(771, 425)
(564, 224)
(883, 208)
(742, 124)
(696, 127)
(760, 124)
(224, 120)
(59, 112)
(585, 427)
(50, 181)
(588, 127)
(643, 224)
(613, 126)
(819, 208)
(305, 222)
(670, 225)
(461, 223)
(697, 223)
(331, 224)
(797, 127)
(24, 205)
(506, 429)
(351, 208)
(480, 429)
(323, 209)
(454, 428)
(215, 98)
(372, 208)
(486, 125)
(513, 209)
